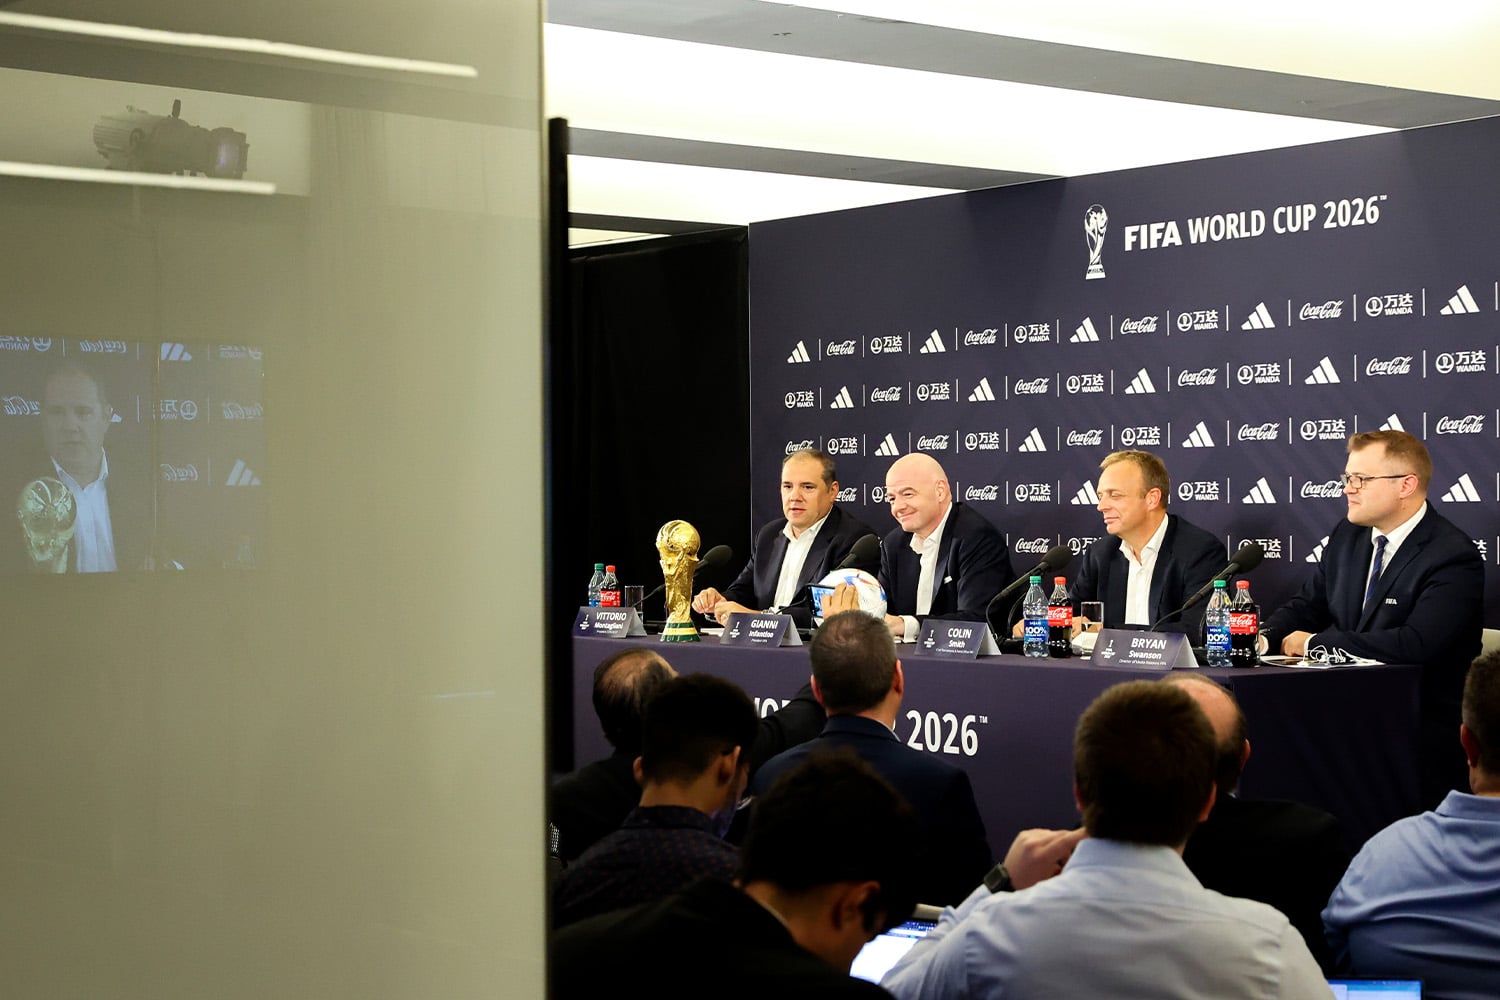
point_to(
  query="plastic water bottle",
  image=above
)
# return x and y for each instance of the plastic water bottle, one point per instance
(609, 589)
(1034, 613)
(1244, 627)
(595, 583)
(1216, 626)
(1059, 620)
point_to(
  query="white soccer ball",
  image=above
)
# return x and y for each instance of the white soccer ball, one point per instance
(871, 593)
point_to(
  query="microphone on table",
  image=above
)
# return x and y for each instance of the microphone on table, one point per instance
(865, 549)
(1056, 558)
(1247, 558)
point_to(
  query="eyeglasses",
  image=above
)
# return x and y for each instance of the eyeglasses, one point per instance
(1356, 482)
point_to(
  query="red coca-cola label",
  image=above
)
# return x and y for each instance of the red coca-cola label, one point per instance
(609, 598)
(1060, 616)
(1243, 623)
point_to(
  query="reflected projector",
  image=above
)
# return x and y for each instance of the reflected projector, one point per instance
(162, 144)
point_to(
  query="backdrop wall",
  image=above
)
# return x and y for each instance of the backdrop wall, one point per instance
(1239, 316)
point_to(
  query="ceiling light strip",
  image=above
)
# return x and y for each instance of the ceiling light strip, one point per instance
(253, 46)
(94, 175)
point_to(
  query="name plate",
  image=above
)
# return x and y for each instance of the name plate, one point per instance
(612, 623)
(952, 638)
(750, 629)
(1120, 647)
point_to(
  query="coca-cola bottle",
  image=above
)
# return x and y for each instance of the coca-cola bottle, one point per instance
(609, 589)
(1244, 627)
(1059, 620)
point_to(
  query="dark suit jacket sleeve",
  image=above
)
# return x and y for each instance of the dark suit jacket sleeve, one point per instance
(1193, 559)
(843, 530)
(1307, 611)
(980, 563)
(798, 721)
(965, 850)
(742, 590)
(1089, 584)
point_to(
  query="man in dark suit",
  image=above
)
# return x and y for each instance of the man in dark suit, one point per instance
(859, 681)
(1285, 854)
(944, 561)
(822, 871)
(595, 799)
(1152, 561)
(813, 540)
(1398, 583)
(113, 500)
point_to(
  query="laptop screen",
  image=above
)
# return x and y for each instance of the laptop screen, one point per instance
(1376, 989)
(885, 950)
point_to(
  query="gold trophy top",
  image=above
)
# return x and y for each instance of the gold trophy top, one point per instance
(677, 545)
(47, 512)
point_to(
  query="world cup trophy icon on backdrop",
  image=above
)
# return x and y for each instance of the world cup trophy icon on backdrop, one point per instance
(677, 544)
(47, 512)
(1095, 222)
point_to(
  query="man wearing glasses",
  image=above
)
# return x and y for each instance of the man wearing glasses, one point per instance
(1399, 583)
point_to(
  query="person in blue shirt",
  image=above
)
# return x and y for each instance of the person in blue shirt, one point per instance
(1421, 900)
(1126, 918)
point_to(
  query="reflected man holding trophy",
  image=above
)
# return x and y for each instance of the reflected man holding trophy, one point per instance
(69, 501)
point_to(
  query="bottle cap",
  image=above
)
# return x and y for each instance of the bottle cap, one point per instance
(609, 569)
(1242, 584)
(599, 567)
(1219, 584)
(1036, 579)
(1060, 580)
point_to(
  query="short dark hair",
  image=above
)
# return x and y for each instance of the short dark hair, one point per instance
(853, 661)
(1481, 709)
(833, 818)
(1143, 758)
(691, 721)
(623, 683)
(1230, 749)
(830, 474)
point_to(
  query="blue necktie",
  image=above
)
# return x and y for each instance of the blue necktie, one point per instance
(1380, 541)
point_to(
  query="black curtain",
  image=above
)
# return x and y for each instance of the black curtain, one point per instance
(651, 386)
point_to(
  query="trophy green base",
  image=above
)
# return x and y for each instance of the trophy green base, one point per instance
(679, 632)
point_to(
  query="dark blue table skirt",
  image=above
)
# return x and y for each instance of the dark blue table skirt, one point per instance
(1343, 738)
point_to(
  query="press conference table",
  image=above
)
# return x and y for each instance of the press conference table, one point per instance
(1343, 738)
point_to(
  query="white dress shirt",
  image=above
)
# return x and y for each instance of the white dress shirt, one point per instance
(927, 552)
(93, 536)
(1138, 583)
(797, 547)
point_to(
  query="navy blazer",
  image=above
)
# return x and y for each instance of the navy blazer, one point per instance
(1427, 608)
(955, 854)
(973, 565)
(755, 587)
(1284, 854)
(1189, 558)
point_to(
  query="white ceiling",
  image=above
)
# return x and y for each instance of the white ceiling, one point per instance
(694, 114)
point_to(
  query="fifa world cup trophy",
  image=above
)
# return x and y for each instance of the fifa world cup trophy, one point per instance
(1095, 222)
(47, 514)
(677, 544)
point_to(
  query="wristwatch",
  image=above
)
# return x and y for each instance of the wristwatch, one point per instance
(998, 879)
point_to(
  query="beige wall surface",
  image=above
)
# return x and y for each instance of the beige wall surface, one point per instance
(322, 777)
